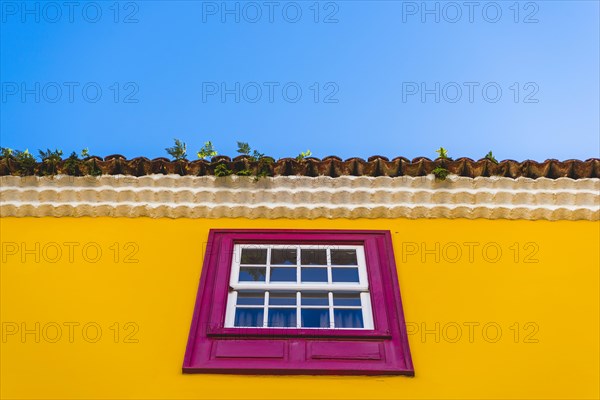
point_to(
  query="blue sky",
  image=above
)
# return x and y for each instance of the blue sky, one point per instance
(346, 78)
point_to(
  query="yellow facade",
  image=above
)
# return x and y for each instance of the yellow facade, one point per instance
(101, 308)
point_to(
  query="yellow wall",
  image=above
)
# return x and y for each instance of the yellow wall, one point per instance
(554, 303)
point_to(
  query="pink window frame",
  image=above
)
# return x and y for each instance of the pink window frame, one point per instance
(211, 305)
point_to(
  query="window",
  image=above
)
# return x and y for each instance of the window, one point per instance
(299, 286)
(276, 301)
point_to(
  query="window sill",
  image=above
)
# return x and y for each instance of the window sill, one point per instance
(269, 333)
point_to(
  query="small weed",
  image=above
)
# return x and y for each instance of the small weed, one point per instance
(5, 152)
(26, 162)
(244, 172)
(50, 160)
(443, 153)
(178, 151)
(222, 170)
(303, 155)
(73, 165)
(441, 173)
(490, 156)
(263, 163)
(206, 151)
(93, 168)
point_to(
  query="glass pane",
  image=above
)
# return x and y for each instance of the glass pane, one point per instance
(282, 317)
(315, 299)
(283, 256)
(254, 256)
(252, 274)
(315, 318)
(249, 317)
(251, 298)
(283, 274)
(313, 257)
(344, 274)
(346, 299)
(314, 274)
(348, 318)
(282, 298)
(343, 257)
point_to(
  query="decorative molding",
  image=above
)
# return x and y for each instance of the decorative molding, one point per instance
(175, 196)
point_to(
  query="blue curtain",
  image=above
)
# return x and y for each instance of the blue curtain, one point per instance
(348, 318)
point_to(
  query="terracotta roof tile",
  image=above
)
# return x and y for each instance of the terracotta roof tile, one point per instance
(334, 166)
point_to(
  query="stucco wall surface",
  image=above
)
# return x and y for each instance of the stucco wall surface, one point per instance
(101, 308)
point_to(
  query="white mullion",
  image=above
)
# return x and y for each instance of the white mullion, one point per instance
(268, 272)
(253, 265)
(240, 306)
(266, 311)
(298, 310)
(322, 306)
(367, 311)
(235, 268)
(324, 287)
(365, 297)
(362, 266)
(271, 307)
(231, 307)
(298, 268)
(329, 273)
(331, 320)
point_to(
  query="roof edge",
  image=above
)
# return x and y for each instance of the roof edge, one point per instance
(329, 166)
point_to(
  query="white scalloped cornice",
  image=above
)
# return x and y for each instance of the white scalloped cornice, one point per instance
(175, 196)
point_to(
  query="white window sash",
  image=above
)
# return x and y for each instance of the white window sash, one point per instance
(360, 287)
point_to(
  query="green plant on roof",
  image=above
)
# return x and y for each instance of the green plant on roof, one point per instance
(50, 155)
(25, 161)
(207, 150)
(244, 148)
(244, 172)
(490, 156)
(440, 173)
(50, 160)
(263, 169)
(6, 152)
(443, 153)
(93, 168)
(222, 170)
(263, 163)
(178, 151)
(73, 164)
(303, 155)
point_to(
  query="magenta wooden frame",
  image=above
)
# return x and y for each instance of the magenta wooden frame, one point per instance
(212, 348)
